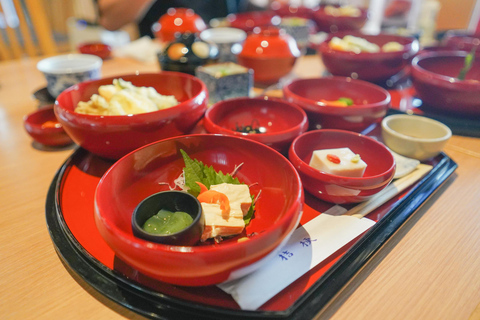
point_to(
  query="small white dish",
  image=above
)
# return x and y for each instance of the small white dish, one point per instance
(228, 40)
(64, 71)
(415, 137)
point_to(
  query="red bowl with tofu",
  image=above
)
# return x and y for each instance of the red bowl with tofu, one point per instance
(335, 188)
(276, 121)
(154, 167)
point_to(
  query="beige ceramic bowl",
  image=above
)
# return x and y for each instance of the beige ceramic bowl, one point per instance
(415, 137)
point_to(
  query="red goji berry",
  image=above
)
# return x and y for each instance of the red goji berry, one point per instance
(333, 158)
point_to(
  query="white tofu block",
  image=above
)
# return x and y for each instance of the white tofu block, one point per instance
(346, 167)
(238, 195)
(216, 224)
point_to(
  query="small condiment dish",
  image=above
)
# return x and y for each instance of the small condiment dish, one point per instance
(172, 201)
(99, 49)
(342, 189)
(43, 127)
(415, 137)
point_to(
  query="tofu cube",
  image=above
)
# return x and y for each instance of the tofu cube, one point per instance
(346, 163)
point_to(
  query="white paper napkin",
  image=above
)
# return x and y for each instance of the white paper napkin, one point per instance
(143, 49)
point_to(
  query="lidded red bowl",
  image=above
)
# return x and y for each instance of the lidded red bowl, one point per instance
(270, 52)
(177, 21)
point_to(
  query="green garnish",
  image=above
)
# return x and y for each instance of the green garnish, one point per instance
(467, 64)
(348, 101)
(196, 171)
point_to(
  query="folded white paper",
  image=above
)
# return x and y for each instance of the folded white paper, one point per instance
(143, 49)
(309, 245)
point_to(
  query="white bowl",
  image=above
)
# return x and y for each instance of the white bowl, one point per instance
(228, 40)
(415, 137)
(64, 71)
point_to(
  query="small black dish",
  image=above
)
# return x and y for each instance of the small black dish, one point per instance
(172, 201)
(43, 96)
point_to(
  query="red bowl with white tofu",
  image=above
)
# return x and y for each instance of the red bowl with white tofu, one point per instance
(336, 176)
(271, 179)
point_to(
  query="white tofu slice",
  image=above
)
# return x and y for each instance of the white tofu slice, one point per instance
(216, 224)
(348, 166)
(238, 195)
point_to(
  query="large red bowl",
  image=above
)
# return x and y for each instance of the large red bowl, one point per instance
(43, 127)
(140, 174)
(281, 120)
(374, 67)
(435, 79)
(371, 102)
(337, 189)
(114, 136)
(331, 24)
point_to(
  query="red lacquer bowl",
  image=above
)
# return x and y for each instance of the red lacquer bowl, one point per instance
(282, 121)
(247, 21)
(461, 40)
(374, 67)
(177, 21)
(98, 49)
(337, 189)
(114, 136)
(140, 173)
(435, 79)
(371, 102)
(290, 10)
(331, 24)
(43, 127)
(270, 52)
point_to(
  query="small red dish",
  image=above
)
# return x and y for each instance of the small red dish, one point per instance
(281, 121)
(98, 49)
(374, 67)
(270, 52)
(139, 174)
(370, 102)
(331, 24)
(435, 79)
(338, 189)
(43, 127)
(177, 21)
(114, 136)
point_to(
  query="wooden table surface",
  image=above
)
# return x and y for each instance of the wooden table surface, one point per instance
(428, 270)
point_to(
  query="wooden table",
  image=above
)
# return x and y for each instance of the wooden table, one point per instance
(428, 270)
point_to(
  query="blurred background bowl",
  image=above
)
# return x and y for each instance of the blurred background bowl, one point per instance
(43, 127)
(270, 52)
(248, 21)
(435, 79)
(329, 23)
(338, 189)
(370, 102)
(374, 67)
(63, 71)
(415, 137)
(177, 21)
(137, 176)
(279, 120)
(114, 136)
(228, 40)
(99, 49)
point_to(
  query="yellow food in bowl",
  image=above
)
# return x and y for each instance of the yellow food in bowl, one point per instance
(123, 98)
(358, 45)
(342, 11)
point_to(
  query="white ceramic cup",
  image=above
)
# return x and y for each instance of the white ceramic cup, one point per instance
(228, 40)
(415, 137)
(64, 71)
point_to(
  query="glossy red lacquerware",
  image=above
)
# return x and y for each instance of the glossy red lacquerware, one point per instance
(331, 24)
(177, 21)
(99, 49)
(270, 52)
(337, 189)
(460, 40)
(282, 121)
(43, 127)
(114, 136)
(371, 102)
(374, 67)
(435, 79)
(142, 172)
(247, 21)
(291, 10)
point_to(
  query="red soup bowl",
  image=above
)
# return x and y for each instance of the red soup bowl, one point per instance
(143, 172)
(317, 96)
(43, 127)
(114, 136)
(270, 52)
(273, 122)
(435, 79)
(98, 49)
(370, 66)
(329, 23)
(247, 21)
(339, 189)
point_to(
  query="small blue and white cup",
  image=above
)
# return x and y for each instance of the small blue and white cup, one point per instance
(64, 71)
(228, 40)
